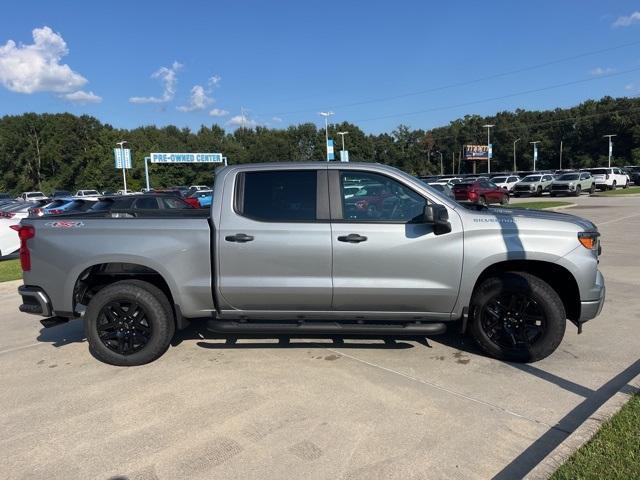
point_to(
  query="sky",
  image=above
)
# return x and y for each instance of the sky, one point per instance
(376, 64)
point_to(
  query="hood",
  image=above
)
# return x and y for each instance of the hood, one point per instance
(522, 213)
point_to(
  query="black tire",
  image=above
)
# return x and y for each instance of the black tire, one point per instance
(147, 332)
(592, 190)
(614, 185)
(626, 185)
(516, 195)
(482, 201)
(552, 194)
(505, 199)
(578, 191)
(496, 332)
(539, 192)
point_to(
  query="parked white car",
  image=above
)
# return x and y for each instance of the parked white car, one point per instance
(609, 178)
(450, 181)
(197, 188)
(506, 182)
(32, 196)
(87, 193)
(9, 241)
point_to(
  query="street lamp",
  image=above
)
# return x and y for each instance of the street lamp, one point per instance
(489, 127)
(610, 146)
(124, 170)
(515, 169)
(342, 134)
(535, 153)
(326, 116)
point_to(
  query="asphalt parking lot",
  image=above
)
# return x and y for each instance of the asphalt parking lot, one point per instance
(314, 409)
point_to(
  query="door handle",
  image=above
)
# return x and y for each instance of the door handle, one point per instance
(352, 238)
(239, 238)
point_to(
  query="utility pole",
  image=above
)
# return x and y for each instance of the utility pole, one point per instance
(326, 116)
(535, 153)
(453, 163)
(610, 146)
(560, 154)
(441, 164)
(488, 127)
(515, 168)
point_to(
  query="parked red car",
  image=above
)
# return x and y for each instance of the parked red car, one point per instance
(480, 191)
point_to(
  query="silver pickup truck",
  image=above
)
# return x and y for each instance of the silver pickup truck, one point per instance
(284, 251)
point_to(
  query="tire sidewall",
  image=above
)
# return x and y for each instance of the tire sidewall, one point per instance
(546, 298)
(158, 313)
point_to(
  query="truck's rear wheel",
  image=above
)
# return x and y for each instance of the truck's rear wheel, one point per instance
(517, 317)
(129, 323)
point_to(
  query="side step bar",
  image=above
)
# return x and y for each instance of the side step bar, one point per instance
(273, 328)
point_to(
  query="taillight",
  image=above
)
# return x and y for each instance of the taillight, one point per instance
(7, 214)
(606, 177)
(472, 195)
(25, 232)
(55, 211)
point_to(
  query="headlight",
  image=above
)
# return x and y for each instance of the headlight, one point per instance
(572, 185)
(532, 187)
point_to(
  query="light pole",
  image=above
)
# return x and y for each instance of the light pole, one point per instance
(124, 170)
(342, 134)
(441, 164)
(610, 146)
(515, 169)
(326, 116)
(535, 153)
(488, 127)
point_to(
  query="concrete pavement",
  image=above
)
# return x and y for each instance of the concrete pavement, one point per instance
(313, 409)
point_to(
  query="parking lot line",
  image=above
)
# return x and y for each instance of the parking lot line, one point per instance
(15, 349)
(618, 219)
(449, 391)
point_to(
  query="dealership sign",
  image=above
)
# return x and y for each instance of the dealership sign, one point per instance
(186, 158)
(478, 152)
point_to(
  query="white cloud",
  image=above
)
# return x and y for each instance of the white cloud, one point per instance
(626, 21)
(276, 119)
(168, 78)
(81, 97)
(214, 81)
(36, 67)
(199, 100)
(599, 71)
(218, 112)
(242, 121)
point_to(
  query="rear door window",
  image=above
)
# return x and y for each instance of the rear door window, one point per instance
(146, 203)
(278, 196)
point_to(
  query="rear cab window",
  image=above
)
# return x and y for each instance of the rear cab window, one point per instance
(277, 196)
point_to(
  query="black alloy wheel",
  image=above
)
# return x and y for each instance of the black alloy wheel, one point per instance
(513, 320)
(123, 327)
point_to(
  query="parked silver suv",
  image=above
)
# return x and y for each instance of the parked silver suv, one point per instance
(534, 184)
(573, 183)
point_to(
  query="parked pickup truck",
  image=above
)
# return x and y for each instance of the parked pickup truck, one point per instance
(283, 251)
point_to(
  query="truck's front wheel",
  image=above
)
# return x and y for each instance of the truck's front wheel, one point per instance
(129, 323)
(517, 316)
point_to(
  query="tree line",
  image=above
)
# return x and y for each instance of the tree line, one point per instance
(64, 151)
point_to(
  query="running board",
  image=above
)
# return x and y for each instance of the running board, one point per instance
(272, 328)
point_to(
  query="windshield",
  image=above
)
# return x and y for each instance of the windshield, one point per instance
(499, 179)
(35, 194)
(598, 171)
(569, 176)
(531, 178)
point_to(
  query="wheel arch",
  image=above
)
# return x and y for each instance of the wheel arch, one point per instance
(95, 277)
(557, 276)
